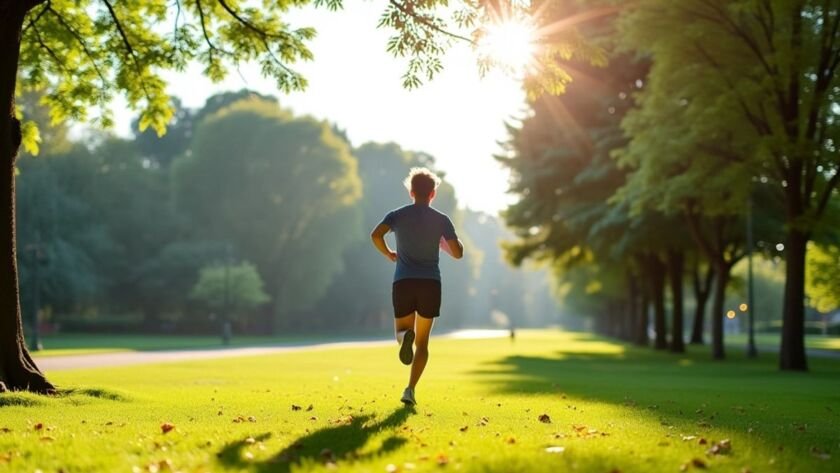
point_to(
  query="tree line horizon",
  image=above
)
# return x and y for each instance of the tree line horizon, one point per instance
(229, 180)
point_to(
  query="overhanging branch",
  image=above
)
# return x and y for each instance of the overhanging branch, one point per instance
(426, 22)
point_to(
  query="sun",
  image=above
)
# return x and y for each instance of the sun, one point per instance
(510, 43)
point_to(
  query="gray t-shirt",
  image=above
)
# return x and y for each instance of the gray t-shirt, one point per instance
(418, 229)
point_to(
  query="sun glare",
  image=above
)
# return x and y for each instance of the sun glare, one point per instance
(510, 43)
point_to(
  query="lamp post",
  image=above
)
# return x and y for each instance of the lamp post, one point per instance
(751, 350)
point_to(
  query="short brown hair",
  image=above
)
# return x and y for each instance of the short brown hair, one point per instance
(421, 182)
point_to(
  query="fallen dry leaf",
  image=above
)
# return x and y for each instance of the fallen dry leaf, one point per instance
(310, 408)
(441, 459)
(545, 419)
(511, 440)
(464, 428)
(295, 407)
(821, 454)
(167, 427)
(720, 448)
(38, 426)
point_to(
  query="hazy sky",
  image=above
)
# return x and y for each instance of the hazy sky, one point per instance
(458, 118)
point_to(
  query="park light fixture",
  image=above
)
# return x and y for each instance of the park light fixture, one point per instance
(743, 307)
(730, 314)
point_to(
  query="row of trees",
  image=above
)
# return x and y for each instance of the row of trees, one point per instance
(244, 211)
(640, 180)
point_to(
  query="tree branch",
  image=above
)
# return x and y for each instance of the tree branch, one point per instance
(426, 22)
(80, 40)
(827, 192)
(49, 50)
(37, 17)
(736, 30)
(212, 47)
(264, 35)
(129, 50)
(760, 125)
(30, 4)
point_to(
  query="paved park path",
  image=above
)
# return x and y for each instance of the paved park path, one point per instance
(72, 362)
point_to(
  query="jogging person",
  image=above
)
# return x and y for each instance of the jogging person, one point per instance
(416, 293)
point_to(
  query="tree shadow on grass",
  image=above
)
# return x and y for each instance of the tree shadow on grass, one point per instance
(333, 444)
(747, 400)
(641, 371)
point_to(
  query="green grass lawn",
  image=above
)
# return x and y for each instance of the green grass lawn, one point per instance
(85, 344)
(817, 342)
(550, 401)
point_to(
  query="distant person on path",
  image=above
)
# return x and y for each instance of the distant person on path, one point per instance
(416, 293)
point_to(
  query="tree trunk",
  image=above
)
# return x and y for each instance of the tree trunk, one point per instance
(722, 270)
(792, 353)
(676, 266)
(631, 314)
(702, 289)
(642, 320)
(657, 280)
(17, 370)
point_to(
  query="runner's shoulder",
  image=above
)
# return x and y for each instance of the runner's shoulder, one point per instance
(439, 213)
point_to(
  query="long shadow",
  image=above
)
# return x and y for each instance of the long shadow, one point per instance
(690, 392)
(342, 441)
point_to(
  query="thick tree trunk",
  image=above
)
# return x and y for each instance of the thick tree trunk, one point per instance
(792, 352)
(657, 281)
(17, 370)
(702, 289)
(641, 329)
(676, 265)
(722, 270)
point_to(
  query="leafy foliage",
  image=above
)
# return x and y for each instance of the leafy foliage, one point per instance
(235, 289)
(278, 188)
(83, 54)
(822, 277)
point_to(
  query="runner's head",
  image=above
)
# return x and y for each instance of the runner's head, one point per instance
(421, 184)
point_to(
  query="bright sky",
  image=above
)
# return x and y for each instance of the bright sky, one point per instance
(458, 118)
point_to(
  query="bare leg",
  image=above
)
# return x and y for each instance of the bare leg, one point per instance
(401, 325)
(422, 330)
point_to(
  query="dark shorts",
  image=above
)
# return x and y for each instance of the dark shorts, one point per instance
(421, 295)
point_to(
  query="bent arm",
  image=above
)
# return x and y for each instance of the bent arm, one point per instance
(453, 247)
(377, 237)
